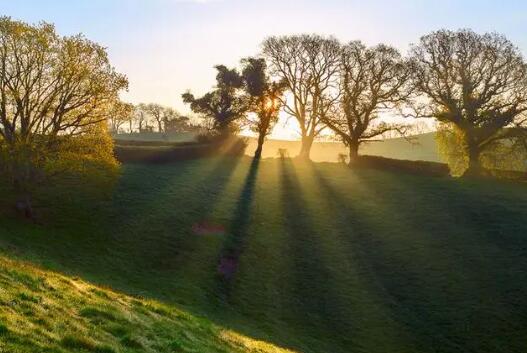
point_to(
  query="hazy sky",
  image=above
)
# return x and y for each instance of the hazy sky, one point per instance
(168, 46)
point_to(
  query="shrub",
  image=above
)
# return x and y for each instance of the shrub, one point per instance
(412, 167)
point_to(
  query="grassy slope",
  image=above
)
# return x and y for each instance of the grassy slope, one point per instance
(330, 260)
(42, 311)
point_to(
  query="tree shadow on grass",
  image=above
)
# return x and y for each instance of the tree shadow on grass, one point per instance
(471, 257)
(315, 304)
(235, 241)
(138, 235)
(431, 263)
(377, 271)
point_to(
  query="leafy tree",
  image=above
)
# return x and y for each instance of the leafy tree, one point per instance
(475, 83)
(371, 81)
(309, 65)
(264, 99)
(223, 105)
(504, 155)
(53, 92)
(120, 114)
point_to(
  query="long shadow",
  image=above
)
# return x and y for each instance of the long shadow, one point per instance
(474, 233)
(234, 244)
(315, 305)
(426, 264)
(362, 244)
(117, 242)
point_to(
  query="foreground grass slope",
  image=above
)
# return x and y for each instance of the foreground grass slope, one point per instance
(313, 257)
(42, 311)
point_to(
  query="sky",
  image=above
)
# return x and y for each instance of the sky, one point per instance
(166, 47)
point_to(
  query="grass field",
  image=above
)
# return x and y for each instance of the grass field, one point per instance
(312, 257)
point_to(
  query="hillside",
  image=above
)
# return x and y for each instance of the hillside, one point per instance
(41, 311)
(312, 257)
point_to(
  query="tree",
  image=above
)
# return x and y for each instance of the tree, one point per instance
(156, 111)
(371, 81)
(503, 155)
(308, 64)
(171, 119)
(224, 106)
(120, 114)
(476, 84)
(264, 99)
(53, 91)
(141, 116)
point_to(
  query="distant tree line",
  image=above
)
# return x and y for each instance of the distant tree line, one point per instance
(473, 85)
(151, 117)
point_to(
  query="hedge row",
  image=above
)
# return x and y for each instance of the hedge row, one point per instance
(407, 166)
(181, 151)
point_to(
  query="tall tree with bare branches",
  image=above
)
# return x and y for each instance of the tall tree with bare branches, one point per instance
(308, 64)
(477, 84)
(372, 80)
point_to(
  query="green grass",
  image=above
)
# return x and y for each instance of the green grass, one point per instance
(328, 260)
(74, 316)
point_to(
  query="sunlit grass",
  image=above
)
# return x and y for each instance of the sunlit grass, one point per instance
(42, 311)
(328, 259)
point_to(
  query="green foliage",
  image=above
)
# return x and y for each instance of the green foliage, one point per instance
(223, 106)
(89, 157)
(264, 98)
(475, 82)
(499, 155)
(69, 89)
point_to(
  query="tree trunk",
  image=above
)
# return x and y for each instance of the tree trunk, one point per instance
(305, 150)
(474, 165)
(23, 203)
(258, 152)
(353, 152)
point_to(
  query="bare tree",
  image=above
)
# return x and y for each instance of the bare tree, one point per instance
(142, 116)
(371, 82)
(156, 111)
(308, 64)
(475, 83)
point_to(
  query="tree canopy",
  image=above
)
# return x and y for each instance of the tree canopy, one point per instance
(264, 98)
(224, 105)
(308, 64)
(371, 81)
(475, 83)
(52, 89)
